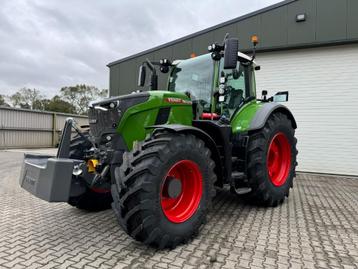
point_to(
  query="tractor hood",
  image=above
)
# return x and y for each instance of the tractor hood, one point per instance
(114, 101)
(105, 115)
(129, 115)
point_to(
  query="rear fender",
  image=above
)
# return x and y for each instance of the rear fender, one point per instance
(264, 113)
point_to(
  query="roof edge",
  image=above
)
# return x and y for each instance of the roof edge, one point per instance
(241, 18)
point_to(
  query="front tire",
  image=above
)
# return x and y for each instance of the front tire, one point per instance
(149, 204)
(271, 162)
(92, 200)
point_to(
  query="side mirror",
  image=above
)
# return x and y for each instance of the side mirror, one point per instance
(281, 97)
(141, 76)
(230, 53)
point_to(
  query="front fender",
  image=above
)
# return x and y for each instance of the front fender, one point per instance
(208, 140)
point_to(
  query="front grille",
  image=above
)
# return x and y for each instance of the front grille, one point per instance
(103, 121)
(104, 116)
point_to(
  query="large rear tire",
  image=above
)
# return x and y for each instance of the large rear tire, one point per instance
(93, 199)
(163, 189)
(271, 161)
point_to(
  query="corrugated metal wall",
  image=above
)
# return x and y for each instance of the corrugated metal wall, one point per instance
(22, 128)
(327, 22)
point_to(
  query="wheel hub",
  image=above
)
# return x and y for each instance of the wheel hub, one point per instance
(174, 187)
(279, 159)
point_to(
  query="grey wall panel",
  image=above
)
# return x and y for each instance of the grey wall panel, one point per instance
(21, 128)
(274, 28)
(220, 33)
(166, 52)
(29, 139)
(182, 50)
(301, 32)
(246, 29)
(331, 20)
(24, 119)
(151, 56)
(127, 80)
(200, 43)
(114, 78)
(141, 59)
(352, 20)
(112, 83)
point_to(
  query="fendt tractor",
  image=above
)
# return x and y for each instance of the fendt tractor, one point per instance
(157, 157)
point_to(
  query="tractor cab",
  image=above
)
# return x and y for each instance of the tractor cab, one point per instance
(214, 90)
(218, 83)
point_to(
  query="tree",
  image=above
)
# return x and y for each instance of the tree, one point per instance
(56, 104)
(81, 95)
(39, 104)
(27, 98)
(2, 100)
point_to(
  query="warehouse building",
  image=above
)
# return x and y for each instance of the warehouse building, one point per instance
(308, 47)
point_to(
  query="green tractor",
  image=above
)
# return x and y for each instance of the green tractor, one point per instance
(157, 157)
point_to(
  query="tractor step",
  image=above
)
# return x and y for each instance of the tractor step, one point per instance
(237, 175)
(241, 191)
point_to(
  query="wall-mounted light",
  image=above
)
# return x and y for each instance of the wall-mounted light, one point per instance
(300, 17)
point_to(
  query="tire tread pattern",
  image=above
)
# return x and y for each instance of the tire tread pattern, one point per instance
(132, 185)
(263, 193)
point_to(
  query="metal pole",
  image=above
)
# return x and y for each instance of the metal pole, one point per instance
(54, 129)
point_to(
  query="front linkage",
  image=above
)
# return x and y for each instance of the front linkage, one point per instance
(72, 175)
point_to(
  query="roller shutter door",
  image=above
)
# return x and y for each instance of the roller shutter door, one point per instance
(323, 96)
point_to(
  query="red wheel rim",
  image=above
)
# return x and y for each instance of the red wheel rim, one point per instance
(279, 159)
(180, 208)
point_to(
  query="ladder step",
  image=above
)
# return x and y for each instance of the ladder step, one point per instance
(237, 175)
(241, 191)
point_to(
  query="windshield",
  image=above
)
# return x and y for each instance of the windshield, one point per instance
(194, 77)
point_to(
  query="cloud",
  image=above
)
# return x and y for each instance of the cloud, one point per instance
(50, 44)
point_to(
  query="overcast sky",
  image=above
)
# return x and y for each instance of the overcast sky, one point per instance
(49, 44)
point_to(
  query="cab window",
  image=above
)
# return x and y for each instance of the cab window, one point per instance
(236, 88)
(195, 78)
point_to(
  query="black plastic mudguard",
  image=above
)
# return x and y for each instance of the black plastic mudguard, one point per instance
(209, 142)
(264, 113)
